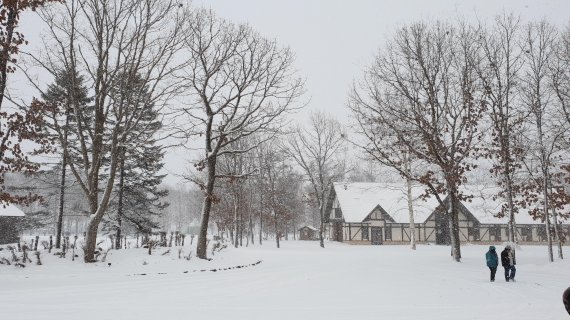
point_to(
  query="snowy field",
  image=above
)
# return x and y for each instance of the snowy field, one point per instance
(298, 281)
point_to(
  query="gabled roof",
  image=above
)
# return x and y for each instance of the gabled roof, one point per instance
(484, 207)
(358, 199)
(309, 227)
(10, 210)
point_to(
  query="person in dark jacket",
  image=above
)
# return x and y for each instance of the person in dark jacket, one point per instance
(508, 262)
(566, 299)
(492, 261)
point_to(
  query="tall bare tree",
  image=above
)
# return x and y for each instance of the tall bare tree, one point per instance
(422, 94)
(559, 75)
(239, 83)
(107, 41)
(318, 150)
(500, 76)
(543, 140)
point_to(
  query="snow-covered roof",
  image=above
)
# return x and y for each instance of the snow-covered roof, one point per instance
(484, 208)
(10, 210)
(309, 227)
(358, 199)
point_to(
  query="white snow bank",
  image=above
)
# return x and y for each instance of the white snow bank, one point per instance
(298, 281)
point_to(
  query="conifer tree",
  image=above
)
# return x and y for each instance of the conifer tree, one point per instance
(67, 90)
(138, 197)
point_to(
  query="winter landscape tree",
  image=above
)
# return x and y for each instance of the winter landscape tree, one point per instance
(499, 72)
(139, 195)
(239, 83)
(422, 93)
(545, 129)
(318, 151)
(105, 41)
(68, 90)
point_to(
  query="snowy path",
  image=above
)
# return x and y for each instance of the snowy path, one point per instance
(298, 281)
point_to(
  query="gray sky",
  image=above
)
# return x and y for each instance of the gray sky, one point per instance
(335, 40)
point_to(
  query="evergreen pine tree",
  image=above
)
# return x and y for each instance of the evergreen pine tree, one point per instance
(71, 95)
(138, 197)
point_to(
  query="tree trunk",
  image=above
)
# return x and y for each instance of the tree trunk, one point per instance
(322, 228)
(411, 214)
(236, 222)
(557, 234)
(556, 229)
(240, 224)
(91, 240)
(260, 205)
(509, 189)
(208, 199)
(454, 225)
(62, 186)
(545, 179)
(10, 26)
(410, 205)
(59, 225)
(250, 217)
(547, 215)
(276, 228)
(120, 208)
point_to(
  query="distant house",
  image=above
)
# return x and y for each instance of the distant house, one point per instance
(308, 233)
(377, 213)
(10, 218)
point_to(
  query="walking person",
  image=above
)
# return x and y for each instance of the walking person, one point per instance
(508, 262)
(492, 261)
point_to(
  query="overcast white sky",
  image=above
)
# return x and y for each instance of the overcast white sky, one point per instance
(335, 40)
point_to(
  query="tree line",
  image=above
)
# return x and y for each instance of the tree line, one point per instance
(121, 71)
(441, 98)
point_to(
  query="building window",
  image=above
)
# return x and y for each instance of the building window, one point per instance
(365, 233)
(495, 233)
(541, 232)
(526, 233)
(388, 232)
(473, 233)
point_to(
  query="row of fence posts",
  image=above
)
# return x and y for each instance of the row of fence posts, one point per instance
(175, 236)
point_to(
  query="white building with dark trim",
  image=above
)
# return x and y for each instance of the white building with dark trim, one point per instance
(377, 213)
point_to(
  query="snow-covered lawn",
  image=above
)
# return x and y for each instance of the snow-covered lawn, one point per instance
(298, 281)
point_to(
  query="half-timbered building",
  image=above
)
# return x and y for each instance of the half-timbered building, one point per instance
(377, 213)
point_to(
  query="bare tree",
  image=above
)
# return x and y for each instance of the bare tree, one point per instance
(542, 141)
(559, 75)
(109, 41)
(499, 73)
(317, 150)
(235, 169)
(422, 95)
(239, 84)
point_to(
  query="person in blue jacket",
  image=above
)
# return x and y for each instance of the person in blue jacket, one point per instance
(492, 261)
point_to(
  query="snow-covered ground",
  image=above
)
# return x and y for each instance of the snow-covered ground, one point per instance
(298, 281)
